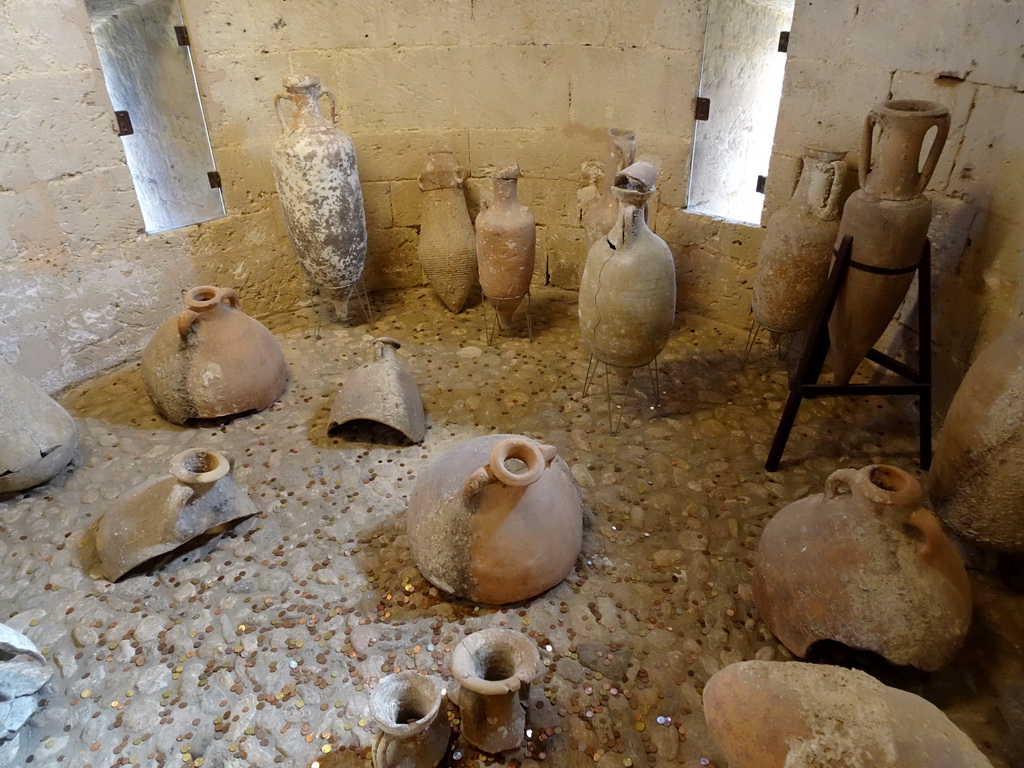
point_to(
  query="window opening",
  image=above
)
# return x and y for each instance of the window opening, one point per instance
(740, 89)
(145, 52)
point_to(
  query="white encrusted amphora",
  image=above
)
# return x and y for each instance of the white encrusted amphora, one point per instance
(414, 730)
(493, 669)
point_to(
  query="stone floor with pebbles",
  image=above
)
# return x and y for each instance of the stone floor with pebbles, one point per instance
(260, 646)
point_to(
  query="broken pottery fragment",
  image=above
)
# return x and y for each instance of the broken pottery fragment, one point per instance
(447, 247)
(381, 392)
(771, 714)
(169, 511)
(493, 669)
(212, 360)
(865, 565)
(496, 519)
(23, 671)
(38, 438)
(414, 729)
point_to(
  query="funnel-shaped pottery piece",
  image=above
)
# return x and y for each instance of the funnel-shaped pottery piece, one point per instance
(414, 730)
(169, 511)
(380, 391)
(493, 669)
(38, 438)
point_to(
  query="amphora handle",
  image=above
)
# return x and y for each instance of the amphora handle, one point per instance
(534, 455)
(201, 299)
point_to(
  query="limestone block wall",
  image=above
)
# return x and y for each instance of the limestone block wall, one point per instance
(80, 287)
(538, 82)
(843, 58)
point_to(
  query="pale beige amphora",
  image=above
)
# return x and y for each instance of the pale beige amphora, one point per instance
(888, 219)
(795, 255)
(627, 299)
(447, 246)
(599, 217)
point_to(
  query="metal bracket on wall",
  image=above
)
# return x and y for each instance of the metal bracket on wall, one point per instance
(124, 123)
(214, 177)
(703, 108)
(181, 33)
(761, 180)
(784, 41)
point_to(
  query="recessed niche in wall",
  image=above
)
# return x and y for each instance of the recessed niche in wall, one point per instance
(144, 50)
(740, 88)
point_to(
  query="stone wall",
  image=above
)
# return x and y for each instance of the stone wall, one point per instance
(537, 82)
(843, 58)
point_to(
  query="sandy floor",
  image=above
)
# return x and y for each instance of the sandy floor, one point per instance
(261, 646)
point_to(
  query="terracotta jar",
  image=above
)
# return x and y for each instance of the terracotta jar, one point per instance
(976, 481)
(161, 515)
(627, 298)
(447, 247)
(381, 392)
(414, 729)
(318, 185)
(772, 714)
(888, 219)
(38, 438)
(867, 566)
(794, 259)
(602, 214)
(212, 360)
(488, 497)
(506, 245)
(493, 670)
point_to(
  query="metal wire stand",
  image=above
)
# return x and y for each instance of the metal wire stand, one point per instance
(492, 319)
(592, 366)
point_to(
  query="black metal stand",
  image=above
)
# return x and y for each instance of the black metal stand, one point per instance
(805, 383)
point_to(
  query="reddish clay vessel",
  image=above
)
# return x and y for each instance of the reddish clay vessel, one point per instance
(493, 670)
(771, 714)
(497, 519)
(867, 566)
(976, 482)
(506, 246)
(888, 219)
(212, 360)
